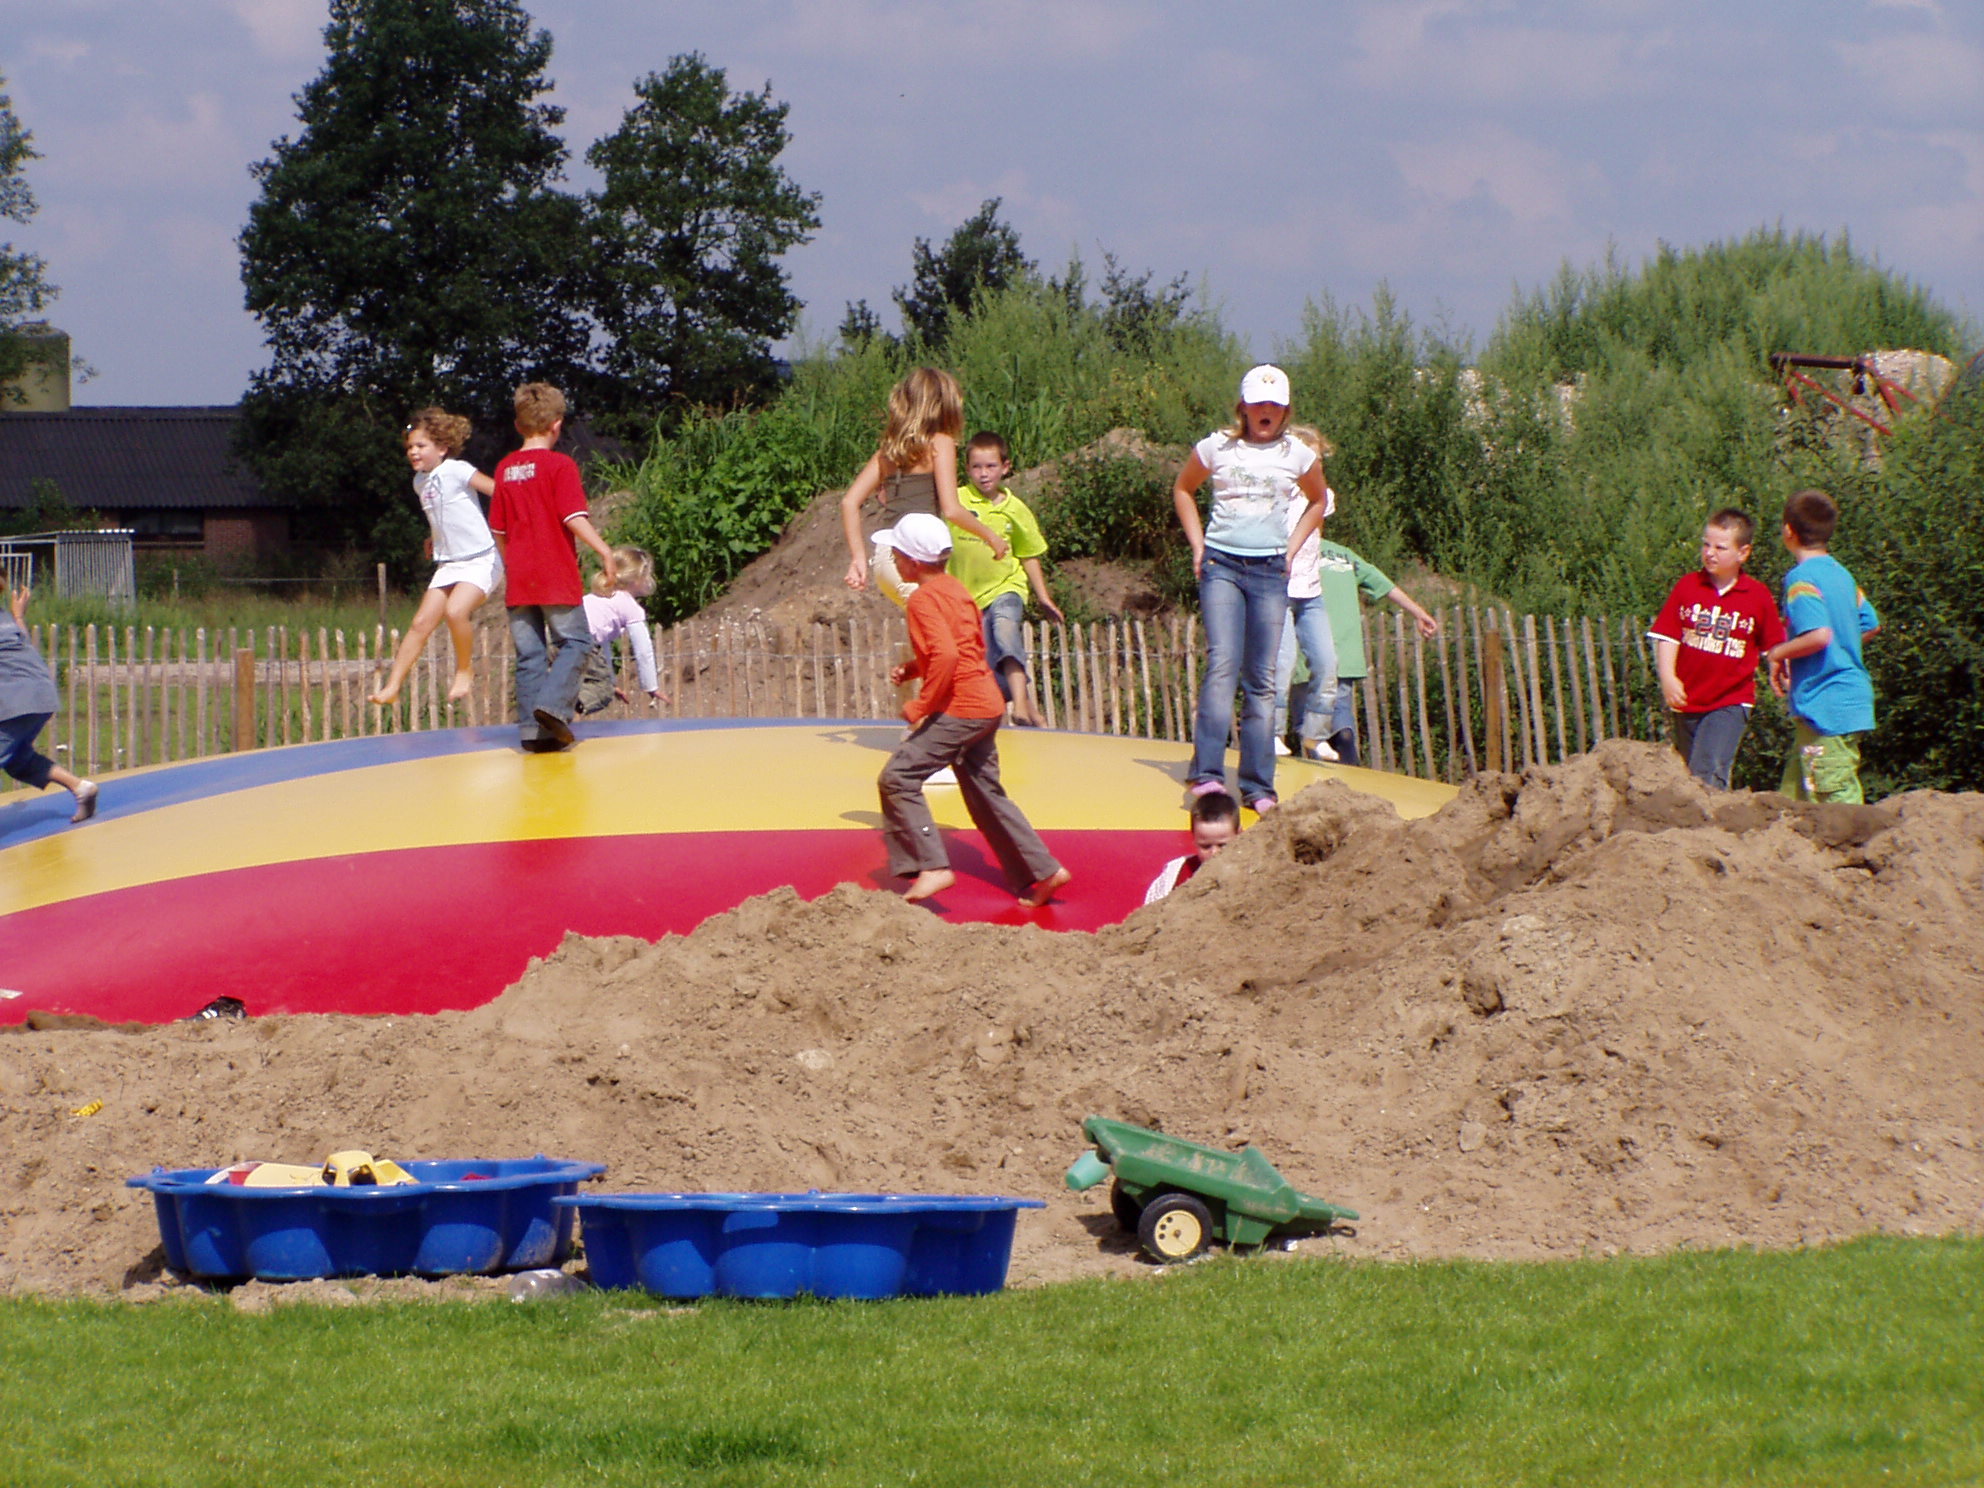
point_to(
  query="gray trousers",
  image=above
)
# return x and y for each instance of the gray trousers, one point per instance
(1709, 741)
(970, 746)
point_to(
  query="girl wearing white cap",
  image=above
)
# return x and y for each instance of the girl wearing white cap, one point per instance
(1240, 557)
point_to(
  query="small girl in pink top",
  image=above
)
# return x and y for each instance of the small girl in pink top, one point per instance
(614, 610)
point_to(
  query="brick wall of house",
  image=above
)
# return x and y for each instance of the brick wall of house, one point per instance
(249, 534)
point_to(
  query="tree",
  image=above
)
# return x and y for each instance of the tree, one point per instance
(408, 247)
(24, 289)
(686, 234)
(859, 325)
(1134, 315)
(983, 254)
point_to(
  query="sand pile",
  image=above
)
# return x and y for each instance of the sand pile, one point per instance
(1591, 1008)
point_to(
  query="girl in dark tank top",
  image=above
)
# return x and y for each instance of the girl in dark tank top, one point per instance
(914, 469)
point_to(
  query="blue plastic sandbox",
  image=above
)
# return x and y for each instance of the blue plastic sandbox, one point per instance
(767, 1245)
(459, 1218)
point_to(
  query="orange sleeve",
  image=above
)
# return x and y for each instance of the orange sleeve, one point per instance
(936, 647)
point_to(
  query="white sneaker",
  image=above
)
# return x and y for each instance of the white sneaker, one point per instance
(1319, 749)
(1281, 747)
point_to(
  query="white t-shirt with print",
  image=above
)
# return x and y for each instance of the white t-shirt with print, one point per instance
(1251, 483)
(1305, 571)
(454, 516)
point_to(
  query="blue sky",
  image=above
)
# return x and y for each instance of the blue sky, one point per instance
(1454, 149)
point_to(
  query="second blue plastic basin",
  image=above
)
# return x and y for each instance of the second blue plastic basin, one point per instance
(780, 1245)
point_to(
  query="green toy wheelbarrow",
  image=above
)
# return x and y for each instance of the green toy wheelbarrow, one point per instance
(1178, 1197)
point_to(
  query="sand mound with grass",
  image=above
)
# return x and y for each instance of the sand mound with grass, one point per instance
(1591, 1008)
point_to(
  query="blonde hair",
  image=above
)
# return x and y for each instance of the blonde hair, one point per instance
(539, 405)
(1239, 429)
(1310, 435)
(448, 430)
(923, 405)
(633, 571)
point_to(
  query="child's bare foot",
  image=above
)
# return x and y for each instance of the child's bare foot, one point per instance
(1041, 892)
(384, 697)
(930, 881)
(462, 686)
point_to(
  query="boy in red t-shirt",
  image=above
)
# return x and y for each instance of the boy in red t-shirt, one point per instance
(1708, 642)
(538, 508)
(954, 721)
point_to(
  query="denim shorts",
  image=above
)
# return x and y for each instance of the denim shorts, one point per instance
(1005, 631)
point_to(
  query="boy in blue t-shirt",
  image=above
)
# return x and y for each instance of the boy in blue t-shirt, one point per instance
(1819, 669)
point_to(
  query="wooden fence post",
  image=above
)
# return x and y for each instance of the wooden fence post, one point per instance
(1494, 698)
(244, 697)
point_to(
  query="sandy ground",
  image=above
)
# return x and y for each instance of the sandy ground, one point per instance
(1590, 1009)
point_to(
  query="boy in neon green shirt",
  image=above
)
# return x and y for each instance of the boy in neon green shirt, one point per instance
(998, 586)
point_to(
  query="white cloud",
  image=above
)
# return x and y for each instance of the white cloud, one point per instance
(283, 30)
(198, 247)
(951, 203)
(1918, 76)
(64, 51)
(907, 36)
(153, 146)
(75, 235)
(1497, 169)
(1455, 51)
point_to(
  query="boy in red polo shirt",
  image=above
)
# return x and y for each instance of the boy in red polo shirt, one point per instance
(1708, 642)
(538, 508)
(954, 721)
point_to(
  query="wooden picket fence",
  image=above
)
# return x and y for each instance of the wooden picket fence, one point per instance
(1492, 691)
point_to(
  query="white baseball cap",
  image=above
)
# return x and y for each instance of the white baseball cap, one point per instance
(1265, 384)
(919, 535)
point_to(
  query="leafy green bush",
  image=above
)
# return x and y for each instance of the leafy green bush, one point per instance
(1110, 505)
(1389, 397)
(1913, 539)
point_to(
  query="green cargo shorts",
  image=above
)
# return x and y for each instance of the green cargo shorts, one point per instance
(1823, 767)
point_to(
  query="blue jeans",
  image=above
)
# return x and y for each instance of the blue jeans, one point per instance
(1242, 601)
(552, 685)
(18, 756)
(1005, 638)
(1309, 623)
(1337, 716)
(1709, 741)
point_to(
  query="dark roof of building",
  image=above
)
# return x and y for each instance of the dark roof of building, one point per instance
(128, 459)
(120, 459)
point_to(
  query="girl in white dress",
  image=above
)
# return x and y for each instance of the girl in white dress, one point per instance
(466, 563)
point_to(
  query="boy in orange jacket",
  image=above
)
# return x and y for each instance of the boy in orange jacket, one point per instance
(954, 721)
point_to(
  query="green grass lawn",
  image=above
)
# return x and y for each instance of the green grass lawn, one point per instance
(1861, 1364)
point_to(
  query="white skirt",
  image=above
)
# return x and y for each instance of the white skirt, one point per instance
(483, 571)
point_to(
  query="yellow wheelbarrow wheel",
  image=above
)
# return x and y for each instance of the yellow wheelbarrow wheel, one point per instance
(1174, 1227)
